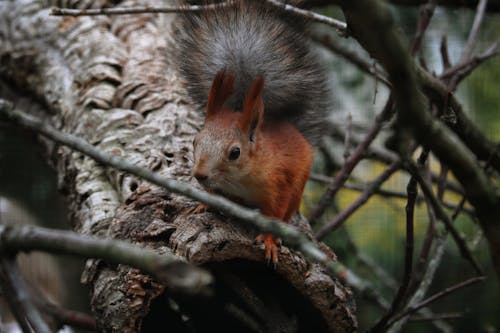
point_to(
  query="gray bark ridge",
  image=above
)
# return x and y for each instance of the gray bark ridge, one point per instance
(109, 80)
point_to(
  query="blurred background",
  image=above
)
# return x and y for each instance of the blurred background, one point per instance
(374, 236)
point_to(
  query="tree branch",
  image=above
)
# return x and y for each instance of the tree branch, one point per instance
(362, 199)
(13, 285)
(362, 64)
(351, 163)
(179, 275)
(366, 16)
(134, 10)
(466, 130)
(476, 25)
(493, 5)
(339, 25)
(441, 215)
(437, 296)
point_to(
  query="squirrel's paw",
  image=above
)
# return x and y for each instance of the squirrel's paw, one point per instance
(201, 208)
(271, 246)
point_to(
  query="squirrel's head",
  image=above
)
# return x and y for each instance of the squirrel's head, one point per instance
(224, 148)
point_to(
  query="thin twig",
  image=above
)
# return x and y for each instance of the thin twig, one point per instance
(18, 298)
(476, 25)
(439, 295)
(374, 269)
(339, 25)
(438, 316)
(362, 199)
(383, 277)
(435, 257)
(441, 215)
(426, 247)
(69, 317)
(347, 139)
(355, 158)
(408, 258)
(135, 10)
(353, 57)
(441, 182)
(445, 55)
(426, 12)
(463, 69)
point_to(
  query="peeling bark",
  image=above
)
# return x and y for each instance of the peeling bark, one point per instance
(109, 80)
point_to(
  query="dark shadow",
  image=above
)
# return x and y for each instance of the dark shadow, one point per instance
(249, 297)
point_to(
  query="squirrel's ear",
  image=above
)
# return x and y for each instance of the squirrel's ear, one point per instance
(253, 108)
(222, 88)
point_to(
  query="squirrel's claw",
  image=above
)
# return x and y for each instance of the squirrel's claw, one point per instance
(271, 247)
(201, 208)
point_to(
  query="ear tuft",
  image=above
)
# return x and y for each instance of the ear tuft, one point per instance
(253, 108)
(222, 88)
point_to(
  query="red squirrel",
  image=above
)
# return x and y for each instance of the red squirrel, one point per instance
(266, 100)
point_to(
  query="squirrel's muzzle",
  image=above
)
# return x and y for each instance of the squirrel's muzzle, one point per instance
(200, 175)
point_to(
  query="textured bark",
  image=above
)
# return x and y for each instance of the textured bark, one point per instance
(109, 81)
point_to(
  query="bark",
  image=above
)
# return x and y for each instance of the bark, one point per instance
(109, 80)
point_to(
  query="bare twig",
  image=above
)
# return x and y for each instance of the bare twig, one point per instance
(362, 199)
(361, 63)
(347, 168)
(339, 25)
(18, 298)
(441, 215)
(134, 10)
(435, 257)
(438, 316)
(347, 139)
(461, 70)
(441, 182)
(69, 317)
(476, 25)
(426, 12)
(375, 270)
(383, 277)
(425, 250)
(408, 260)
(445, 55)
(439, 295)
(178, 275)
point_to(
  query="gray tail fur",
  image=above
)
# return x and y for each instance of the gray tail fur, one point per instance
(249, 38)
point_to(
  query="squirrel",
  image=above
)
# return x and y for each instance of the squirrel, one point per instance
(266, 99)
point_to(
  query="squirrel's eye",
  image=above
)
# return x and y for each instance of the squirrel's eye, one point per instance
(234, 153)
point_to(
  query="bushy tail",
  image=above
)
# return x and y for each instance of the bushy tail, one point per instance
(249, 39)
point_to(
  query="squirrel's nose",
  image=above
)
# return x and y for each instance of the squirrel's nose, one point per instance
(200, 175)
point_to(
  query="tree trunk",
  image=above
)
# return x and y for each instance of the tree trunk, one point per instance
(109, 81)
